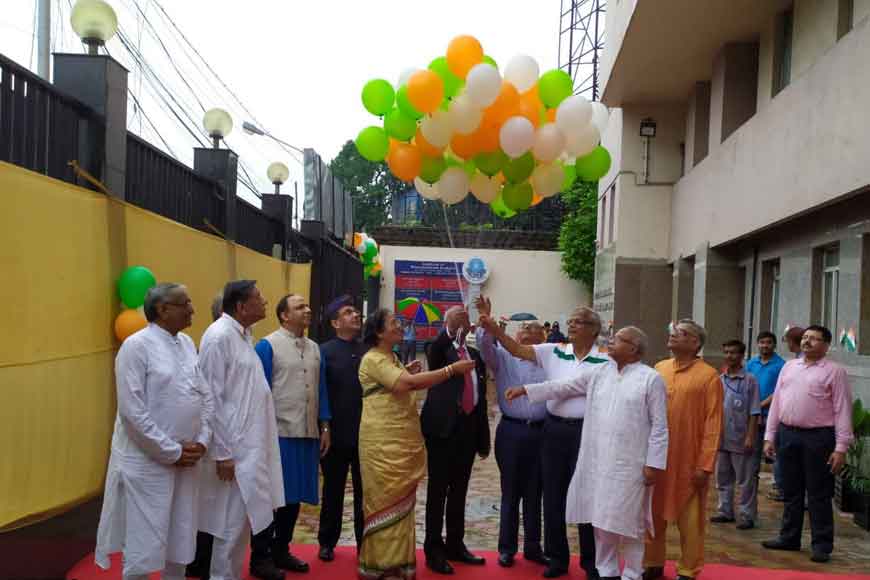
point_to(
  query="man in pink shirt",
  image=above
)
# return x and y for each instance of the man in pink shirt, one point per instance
(812, 411)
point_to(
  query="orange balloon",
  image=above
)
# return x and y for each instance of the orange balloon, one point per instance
(425, 91)
(464, 146)
(393, 144)
(463, 53)
(530, 112)
(405, 162)
(550, 115)
(499, 177)
(536, 199)
(128, 322)
(485, 138)
(425, 147)
(505, 106)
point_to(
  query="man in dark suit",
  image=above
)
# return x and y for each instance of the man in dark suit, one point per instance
(455, 426)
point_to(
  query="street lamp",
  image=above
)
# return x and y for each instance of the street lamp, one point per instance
(218, 124)
(252, 129)
(278, 173)
(95, 22)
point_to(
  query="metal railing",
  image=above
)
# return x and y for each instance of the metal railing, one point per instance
(40, 127)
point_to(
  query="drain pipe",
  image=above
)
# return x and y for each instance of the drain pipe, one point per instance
(751, 329)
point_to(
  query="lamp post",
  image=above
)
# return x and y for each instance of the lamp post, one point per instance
(95, 22)
(278, 174)
(218, 124)
(252, 129)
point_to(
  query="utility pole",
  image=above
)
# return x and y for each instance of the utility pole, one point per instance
(43, 38)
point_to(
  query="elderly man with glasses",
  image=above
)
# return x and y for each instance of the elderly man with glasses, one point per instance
(625, 447)
(695, 396)
(563, 427)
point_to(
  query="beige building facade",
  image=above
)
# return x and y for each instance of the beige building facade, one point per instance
(749, 208)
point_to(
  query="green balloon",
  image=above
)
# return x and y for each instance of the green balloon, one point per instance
(370, 252)
(489, 60)
(499, 208)
(593, 166)
(432, 169)
(405, 105)
(470, 168)
(570, 176)
(517, 196)
(134, 284)
(519, 169)
(373, 144)
(400, 126)
(452, 83)
(554, 86)
(378, 97)
(490, 163)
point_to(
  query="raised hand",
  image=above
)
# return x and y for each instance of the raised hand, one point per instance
(463, 366)
(515, 393)
(414, 367)
(483, 305)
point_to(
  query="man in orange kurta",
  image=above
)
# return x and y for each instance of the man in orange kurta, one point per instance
(694, 425)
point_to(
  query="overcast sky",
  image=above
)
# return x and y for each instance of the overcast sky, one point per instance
(299, 66)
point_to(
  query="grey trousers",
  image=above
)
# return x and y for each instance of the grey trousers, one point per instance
(737, 470)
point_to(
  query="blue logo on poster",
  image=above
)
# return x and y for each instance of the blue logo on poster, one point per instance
(475, 271)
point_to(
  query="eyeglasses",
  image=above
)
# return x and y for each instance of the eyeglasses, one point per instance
(180, 304)
(580, 322)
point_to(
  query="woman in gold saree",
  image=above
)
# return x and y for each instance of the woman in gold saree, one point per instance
(391, 449)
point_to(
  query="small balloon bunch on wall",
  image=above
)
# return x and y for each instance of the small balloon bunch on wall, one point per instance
(511, 137)
(133, 285)
(367, 249)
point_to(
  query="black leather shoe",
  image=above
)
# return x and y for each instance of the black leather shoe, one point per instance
(289, 562)
(326, 554)
(554, 571)
(684, 577)
(720, 519)
(505, 560)
(779, 544)
(466, 557)
(592, 574)
(266, 570)
(653, 572)
(538, 558)
(439, 565)
(610, 577)
(195, 570)
(820, 557)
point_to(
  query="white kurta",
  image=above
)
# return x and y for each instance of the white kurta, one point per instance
(244, 431)
(626, 428)
(150, 505)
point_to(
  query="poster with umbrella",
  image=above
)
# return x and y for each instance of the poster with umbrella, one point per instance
(418, 311)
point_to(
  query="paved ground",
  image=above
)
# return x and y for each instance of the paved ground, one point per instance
(725, 544)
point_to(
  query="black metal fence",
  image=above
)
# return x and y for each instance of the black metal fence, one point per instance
(334, 271)
(40, 127)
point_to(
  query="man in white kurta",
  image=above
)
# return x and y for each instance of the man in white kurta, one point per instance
(242, 482)
(625, 442)
(162, 429)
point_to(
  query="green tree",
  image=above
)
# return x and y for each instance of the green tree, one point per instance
(577, 234)
(371, 187)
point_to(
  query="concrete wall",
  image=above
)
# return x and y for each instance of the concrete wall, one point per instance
(771, 164)
(862, 10)
(697, 126)
(65, 247)
(521, 281)
(618, 18)
(815, 32)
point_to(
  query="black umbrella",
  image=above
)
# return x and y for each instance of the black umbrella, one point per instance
(521, 316)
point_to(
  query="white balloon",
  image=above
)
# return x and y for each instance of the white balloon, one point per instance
(547, 179)
(453, 185)
(573, 115)
(549, 143)
(522, 72)
(600, 116)
(484, 188)
(436, 128)
(483, 84)
(406, 74)
(516, 136)
(580, 144)
(426, 190)
(465, 116)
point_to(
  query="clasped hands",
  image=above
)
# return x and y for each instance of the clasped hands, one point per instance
(190, 454)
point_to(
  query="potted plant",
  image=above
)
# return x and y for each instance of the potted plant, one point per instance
(856, 474)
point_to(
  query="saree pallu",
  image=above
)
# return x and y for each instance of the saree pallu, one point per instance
(392, 463)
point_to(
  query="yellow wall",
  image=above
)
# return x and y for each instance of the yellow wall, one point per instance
(62, 249)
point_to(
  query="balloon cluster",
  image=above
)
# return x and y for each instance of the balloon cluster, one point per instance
(511, 138)
(133, 286)
(367, 248)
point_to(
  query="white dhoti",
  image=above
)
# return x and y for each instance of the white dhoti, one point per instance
(607, 546)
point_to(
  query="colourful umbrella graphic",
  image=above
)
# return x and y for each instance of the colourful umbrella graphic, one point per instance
(418, 311)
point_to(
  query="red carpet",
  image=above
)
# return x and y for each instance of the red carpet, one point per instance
(344, 568)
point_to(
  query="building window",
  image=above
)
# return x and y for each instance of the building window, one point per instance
(830, 286)
(770, 296)
(782, 51)
(845, 12)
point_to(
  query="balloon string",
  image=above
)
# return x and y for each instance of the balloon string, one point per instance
(455, 266)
